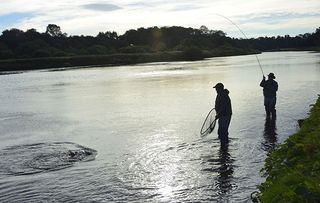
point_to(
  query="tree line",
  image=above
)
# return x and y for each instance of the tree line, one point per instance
(18, 44)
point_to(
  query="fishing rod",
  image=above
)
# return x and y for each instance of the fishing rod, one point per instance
(244, 36)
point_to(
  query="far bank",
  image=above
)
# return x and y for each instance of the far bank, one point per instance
(114, 59)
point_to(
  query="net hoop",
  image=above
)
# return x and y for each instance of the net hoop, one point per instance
(207, 130)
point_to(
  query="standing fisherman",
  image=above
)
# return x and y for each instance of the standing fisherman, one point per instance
(270, 88)
(223, 110)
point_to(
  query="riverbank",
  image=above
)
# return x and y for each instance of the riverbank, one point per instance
(316, 49)
(293, 168)
(67, 62)
(114, 59)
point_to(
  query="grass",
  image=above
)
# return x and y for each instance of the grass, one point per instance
(293, 168)
(114, 59)
(87, 60)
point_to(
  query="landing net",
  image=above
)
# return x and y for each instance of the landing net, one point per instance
(209, 123)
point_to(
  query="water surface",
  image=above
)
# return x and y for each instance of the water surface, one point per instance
(142, 125)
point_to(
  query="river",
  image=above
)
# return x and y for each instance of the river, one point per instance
(131, 133)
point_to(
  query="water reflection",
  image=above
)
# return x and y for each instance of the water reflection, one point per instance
(221, 168)
(225, 170)
(269, 134)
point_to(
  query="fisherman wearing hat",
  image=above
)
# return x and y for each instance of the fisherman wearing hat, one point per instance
(270, 88)
(223, 110)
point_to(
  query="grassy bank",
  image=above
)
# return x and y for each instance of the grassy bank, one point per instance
(317, 49)
(87, 60)
(114, 59)
(293, 169)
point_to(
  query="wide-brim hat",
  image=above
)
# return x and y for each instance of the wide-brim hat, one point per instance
(271, 75)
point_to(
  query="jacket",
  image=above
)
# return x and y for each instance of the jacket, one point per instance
(270, 87)
(223, 104)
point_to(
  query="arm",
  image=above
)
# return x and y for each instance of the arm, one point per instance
(221, 106)
(262, 83)
(218, 107)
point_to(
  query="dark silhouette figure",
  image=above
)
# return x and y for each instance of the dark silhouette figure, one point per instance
(270, 88)
(270, 134)
(223, 110)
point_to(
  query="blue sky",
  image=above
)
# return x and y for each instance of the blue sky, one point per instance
(9, 19)
(88, 17)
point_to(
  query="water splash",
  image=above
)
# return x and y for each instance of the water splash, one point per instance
(42, 157)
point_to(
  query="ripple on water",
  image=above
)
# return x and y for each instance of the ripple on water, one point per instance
(42, 157)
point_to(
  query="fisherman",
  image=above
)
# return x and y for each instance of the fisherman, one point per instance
(270, 88)
(223, 110)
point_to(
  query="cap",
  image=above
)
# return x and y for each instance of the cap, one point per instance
(219, 86)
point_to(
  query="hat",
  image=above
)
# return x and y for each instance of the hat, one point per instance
(219, 86)
(271, 75)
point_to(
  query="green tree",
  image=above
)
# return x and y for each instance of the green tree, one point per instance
(107, 35)
(12, 37)
(5, 52)
(55, 31)
(204, 30)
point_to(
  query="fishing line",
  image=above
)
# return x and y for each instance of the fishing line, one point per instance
(243, 35)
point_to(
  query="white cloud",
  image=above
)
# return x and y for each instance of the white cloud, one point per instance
(101, 7)
(75, 18)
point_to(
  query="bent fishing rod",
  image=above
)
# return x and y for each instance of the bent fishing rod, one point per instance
(243, 35)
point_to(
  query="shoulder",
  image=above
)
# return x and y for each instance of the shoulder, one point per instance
(226, 94)
(273, 82)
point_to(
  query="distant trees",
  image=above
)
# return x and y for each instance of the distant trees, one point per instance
(193, 43)
(55, 31)
(204, 30)
(286, 42)
(12, 38)
(107, 35)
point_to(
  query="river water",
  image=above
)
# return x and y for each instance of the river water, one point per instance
(131, 133)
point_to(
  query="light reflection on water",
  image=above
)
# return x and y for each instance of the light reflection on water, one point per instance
(144, 122)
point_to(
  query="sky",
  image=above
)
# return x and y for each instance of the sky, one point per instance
(89, 17)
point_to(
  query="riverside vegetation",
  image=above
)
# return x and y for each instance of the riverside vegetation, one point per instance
(293, 168)
(24, 50)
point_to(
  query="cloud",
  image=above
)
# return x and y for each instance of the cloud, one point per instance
(101, 7)
(185, 7)
(291, 26)
(88, 17)
(277, 17)
(139, 5)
